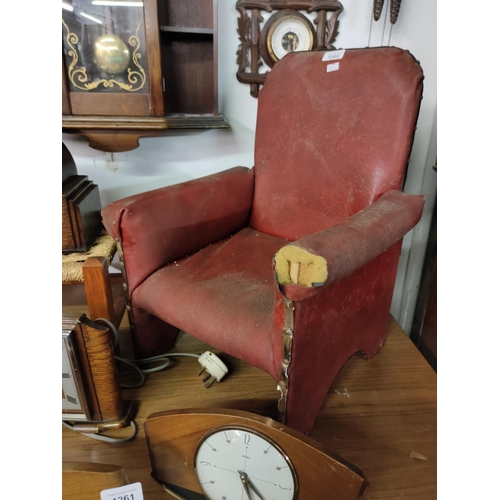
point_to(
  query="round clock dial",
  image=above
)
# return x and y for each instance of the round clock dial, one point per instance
(239, 464)
(286, 31)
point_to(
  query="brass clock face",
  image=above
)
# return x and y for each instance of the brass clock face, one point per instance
(286, 31)
(234, 462)
(111, 54)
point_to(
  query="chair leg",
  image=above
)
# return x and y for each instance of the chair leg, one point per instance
(322, 343)
(150, 336)
(305, 400)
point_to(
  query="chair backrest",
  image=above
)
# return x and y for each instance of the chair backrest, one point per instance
(330, 140)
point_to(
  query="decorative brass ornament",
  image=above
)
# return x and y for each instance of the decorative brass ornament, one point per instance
(111, 54)
(80, 79)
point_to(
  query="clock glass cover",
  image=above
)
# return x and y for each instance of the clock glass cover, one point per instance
(104, 46)
(235, 463)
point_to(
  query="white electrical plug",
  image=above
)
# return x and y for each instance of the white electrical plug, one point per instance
(213, 366)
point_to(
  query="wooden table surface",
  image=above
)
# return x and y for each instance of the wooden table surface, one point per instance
(380, 415)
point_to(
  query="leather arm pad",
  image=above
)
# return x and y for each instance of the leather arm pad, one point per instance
(160, 226)
(305, 266)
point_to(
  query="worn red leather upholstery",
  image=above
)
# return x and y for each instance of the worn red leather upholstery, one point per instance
(330, 156)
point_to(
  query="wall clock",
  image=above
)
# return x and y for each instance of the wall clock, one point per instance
(222, 454)
(270, 29)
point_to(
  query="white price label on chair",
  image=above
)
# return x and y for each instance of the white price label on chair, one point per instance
(332, 67)
(126, 492)
(334, 55)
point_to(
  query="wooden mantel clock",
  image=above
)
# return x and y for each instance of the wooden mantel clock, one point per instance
(134, 69)
(270, 29)
(91, 393)
(221, 454)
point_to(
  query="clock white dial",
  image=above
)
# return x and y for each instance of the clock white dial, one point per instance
(238, 464)
(289, 34)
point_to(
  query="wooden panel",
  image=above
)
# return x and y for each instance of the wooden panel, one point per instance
(68, 240)
(193, 13)
(424, 327)
(98, 289)
(76, 302)
(88, 216)
(74, 185)
(66, 105)
(104, 104)
(85, 481)
(188, 68)
(154, 57)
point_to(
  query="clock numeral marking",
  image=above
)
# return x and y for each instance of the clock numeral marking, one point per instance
(205, 463)
(224, 497)
(213, 449)
(228, 441)
(71, 399)
(284, 467)
(285, 488)
(247, 439)
(245, 456)
(209, 482)
(266, 451)
(65, 375)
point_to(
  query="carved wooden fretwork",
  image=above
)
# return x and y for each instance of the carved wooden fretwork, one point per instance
(252, 53)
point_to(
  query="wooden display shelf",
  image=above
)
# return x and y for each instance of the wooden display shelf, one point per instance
(185, 29)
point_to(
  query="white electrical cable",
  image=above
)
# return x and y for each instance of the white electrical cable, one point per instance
(136, 363)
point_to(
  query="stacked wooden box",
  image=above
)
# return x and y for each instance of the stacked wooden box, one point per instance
(81, 207)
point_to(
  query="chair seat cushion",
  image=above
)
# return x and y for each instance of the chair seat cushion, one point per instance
(223, 292)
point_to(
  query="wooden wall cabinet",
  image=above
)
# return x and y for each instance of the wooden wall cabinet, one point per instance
(137, 68)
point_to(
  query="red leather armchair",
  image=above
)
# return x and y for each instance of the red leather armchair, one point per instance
(290, 265)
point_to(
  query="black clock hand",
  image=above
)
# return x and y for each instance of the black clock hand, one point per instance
(257, 492)
(245, 483)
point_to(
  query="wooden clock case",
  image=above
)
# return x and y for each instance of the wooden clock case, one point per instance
(178, 66)
(95, 372)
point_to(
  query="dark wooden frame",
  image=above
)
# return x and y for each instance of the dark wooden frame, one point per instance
(252, 50)
(147, 114)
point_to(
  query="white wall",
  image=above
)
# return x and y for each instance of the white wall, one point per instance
(180, 156)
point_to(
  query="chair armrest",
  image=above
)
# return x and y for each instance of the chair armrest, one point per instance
(160, 226)
(305, 266)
